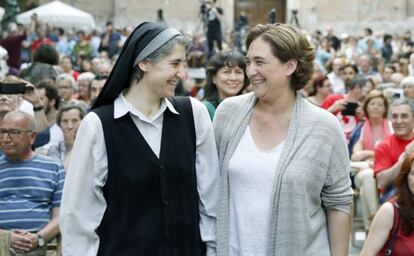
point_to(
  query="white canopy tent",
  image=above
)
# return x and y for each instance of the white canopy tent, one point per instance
(59, 14)
(1, 13)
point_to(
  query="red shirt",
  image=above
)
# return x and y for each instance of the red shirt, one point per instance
(348, 123)
(403, 244)
(37, 43)
(388, 151)
(13, 45)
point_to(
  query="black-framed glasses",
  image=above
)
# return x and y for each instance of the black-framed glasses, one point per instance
(13, 133)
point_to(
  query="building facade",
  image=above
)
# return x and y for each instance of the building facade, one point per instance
(349, 16)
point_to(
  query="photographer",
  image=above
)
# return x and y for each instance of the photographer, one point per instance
(214, 18)
(26, 99)
(346, 107)
(271, 16)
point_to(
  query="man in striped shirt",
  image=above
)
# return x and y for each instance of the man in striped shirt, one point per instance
(30, 188)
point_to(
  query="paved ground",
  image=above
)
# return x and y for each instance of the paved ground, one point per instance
(354, 250)
(358, 226)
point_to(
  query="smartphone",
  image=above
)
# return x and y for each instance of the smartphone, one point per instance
(12, 88)
(350, 109)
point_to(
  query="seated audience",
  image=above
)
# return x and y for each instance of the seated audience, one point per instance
(374, 129)
(392, 229)
(68, 119)
(321, 88)
(51, 101)
(340, 106)
(96, 87)
(84, 87)
(66, 86)
(43, 67)
(391, 151)
(407, 84)
(31, 188)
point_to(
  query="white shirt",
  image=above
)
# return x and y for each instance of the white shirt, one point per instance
(26, 107)
(83, 204)
(251, 175)
(338, 85)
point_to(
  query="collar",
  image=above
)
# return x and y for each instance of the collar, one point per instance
(122, 107)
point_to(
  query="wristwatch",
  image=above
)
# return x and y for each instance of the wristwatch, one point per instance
(35, 109)
(40, 240)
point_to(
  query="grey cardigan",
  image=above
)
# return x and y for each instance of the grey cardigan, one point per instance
(312, 175)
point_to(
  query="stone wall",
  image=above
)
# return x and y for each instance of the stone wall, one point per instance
(352, 16)
(182, 14)
(349, 16)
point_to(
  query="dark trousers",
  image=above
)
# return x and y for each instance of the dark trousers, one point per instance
(210, 43)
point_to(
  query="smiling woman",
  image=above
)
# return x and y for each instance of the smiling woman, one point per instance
(225, 78)
(281, 157)
(144, 166)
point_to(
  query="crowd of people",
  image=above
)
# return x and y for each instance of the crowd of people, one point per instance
(261, 160)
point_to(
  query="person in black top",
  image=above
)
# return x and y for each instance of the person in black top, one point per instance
(214, 17)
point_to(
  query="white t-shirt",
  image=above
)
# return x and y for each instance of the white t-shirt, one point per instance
(251, 176)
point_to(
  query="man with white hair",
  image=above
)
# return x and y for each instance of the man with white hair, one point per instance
(84, 87)
(407, 84)
(31, 188)
(66, 86)
(338, 85)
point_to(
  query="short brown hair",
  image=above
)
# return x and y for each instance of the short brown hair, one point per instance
(287, 42)
(67, 108)
(372, 95)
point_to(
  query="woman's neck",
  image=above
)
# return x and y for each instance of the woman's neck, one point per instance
(319, 98)
(278, 105)
(376, 121)
(142, 99)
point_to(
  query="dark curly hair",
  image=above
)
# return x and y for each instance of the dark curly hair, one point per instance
(287, 42)
(46, 54)
(222, 59)
(405, 196)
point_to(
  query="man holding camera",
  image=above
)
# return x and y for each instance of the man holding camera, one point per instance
(31, 188)
(17, 94)
(345, 107)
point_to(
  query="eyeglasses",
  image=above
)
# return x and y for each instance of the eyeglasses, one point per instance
(13, 133)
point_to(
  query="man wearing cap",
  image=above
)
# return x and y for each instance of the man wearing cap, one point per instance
(143, 176)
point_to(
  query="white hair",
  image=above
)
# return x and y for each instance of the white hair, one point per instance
(68, 77)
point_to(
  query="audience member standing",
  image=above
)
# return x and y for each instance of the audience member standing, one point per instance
(13, 44)
(110, 40)
(214, 34)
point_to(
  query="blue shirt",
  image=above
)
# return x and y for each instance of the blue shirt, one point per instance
(28, 191)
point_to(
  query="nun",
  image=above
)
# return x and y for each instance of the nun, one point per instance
(143, 177)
